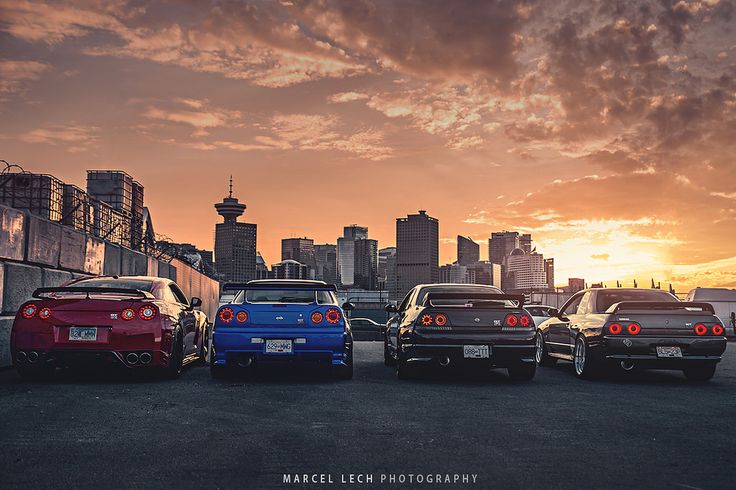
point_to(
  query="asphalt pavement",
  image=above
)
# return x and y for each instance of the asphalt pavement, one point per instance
(643, 430)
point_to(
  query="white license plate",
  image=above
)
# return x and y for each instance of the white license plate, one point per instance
(279, 346)
(663, 351)
(476, 351)
(83, 334)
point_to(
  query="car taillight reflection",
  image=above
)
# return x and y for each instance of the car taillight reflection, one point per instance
(701, 329)
(128, 314)
(615, 328)
(332, 315)
(147, 312)
(29, 311)
(44, 313)
(634, 328)
(226, 315)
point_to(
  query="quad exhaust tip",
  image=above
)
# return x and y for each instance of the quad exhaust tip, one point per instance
(132, 358)
(21, 356)
(33, 356)
(145, 358)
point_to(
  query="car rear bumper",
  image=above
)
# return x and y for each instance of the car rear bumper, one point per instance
(503, 351)
(142, 358)
(241, 348)
(643, 350)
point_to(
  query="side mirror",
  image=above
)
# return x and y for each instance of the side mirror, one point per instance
(348, 306)
(391, 308)
(195, 302)
(554, 312)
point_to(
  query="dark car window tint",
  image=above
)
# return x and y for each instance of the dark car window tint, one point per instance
(465, 290)
(572, 307)
(180, 298)
(608, 298)
(405, 302)
(537, 311)
(105, 282)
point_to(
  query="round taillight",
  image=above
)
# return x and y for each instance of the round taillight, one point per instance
(29, 311)
(718, 329)
(634, 328)
(147, 312)
(44, 313)
(426, 320)
(701, 329)
(128, 314)
(511, 320)
(317, 317)
(226, 315)
(525, 321)
(242, 317)
(614, 328)
(440, 319)
(332, 315)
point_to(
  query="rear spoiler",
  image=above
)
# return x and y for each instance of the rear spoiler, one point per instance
(244, 286)
(660, 305)
(472, 298)
(40, 292)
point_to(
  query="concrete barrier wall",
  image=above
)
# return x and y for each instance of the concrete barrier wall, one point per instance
(38, 253)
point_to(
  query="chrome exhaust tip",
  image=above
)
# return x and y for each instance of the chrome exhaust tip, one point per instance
(33, 356)
(145, 358)
(21, 356)
(245, 363)
(445, 362)
(627, 365)
(131, 358)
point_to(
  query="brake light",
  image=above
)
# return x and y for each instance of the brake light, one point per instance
(634, 328)
(332, 315)
(525, 321)
(242, 317)
(317, 317)
(30, 311)
(226, 315)
(426, 320)
(718, 329)
(128, 314)
(701, 329)
(44, 313)
(147, 312)
(511, 320)
(614, 328)
(440, 319)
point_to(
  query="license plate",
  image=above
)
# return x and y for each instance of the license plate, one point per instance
(83, 334)
(476, 351)
(279, 346)
(669, 351)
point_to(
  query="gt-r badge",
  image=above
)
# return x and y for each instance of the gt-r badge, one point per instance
(113, 316)
(496, 323)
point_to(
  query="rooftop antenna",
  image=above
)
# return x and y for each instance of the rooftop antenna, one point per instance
(231, 185)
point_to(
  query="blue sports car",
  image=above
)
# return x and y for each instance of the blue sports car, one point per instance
(282, 322)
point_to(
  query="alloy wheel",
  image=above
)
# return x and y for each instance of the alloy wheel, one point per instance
(579, 356)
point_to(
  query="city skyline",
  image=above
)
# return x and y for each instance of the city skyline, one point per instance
(605, 131)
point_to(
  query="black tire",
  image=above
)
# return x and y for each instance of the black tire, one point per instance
(541, 354)
(202, 356)
(388, 359)
(176, 361)
(700, 374)
(345, 372)
(524, 371)
(584, 364)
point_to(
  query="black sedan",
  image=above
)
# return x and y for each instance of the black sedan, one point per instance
(603, 329)
(366, 329)
(446, 325)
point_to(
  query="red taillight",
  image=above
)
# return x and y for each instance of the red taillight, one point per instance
(332, 315)
(634, 328)
(128, 314)
(426, 320)
(440, 320)
(511, 320)
(147, 312)
(226, 315)
(44, 313)
(317, 317)
(718, 329)
(614, 328)
(525, 321)
(242, 317)
(701, 329)
(29, 311)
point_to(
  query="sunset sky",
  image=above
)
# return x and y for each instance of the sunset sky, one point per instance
(607, 129)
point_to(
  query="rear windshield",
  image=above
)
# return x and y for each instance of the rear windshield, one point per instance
(608, 298)
(537, 311)
(106, 282)
(468, 291)
(297, 296)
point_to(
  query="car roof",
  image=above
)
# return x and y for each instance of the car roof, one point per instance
(122, 278)
(287, 282)
(713, 294)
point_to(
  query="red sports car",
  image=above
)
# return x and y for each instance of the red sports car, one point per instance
(135, 322)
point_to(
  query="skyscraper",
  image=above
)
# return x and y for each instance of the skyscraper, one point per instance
(325, 257)
(501, 244)
(366, 264)
(549, 271)
(525, 242)
(525, 271)
(235, 242)
(467, 250)
(417, 251)
(357, 258)
(299, 249)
